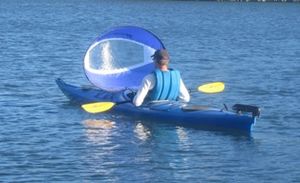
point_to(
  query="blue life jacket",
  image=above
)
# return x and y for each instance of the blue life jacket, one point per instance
(167, 85)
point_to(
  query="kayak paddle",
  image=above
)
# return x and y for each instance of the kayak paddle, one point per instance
(98, 107)
(215, 87)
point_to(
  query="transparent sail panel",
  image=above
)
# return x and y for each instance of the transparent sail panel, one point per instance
(116, 54)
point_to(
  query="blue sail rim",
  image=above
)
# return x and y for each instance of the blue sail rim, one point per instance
(106, 36)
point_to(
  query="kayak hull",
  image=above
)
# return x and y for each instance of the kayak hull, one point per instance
(165, 111)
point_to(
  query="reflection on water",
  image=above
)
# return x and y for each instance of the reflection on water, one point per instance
(142, 132)
(182, 134)
(100, 135)
(99, 131)
(96, 123)
(184, 142)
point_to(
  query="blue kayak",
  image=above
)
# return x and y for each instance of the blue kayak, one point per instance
(242, 118)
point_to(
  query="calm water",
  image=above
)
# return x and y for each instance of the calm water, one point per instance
(254, 48)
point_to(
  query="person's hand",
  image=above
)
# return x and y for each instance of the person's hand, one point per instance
(131, 95)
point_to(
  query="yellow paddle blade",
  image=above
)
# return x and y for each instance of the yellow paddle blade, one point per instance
(97, 107)
(215, 87)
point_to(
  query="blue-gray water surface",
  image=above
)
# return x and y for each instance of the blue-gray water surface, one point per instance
(253, 47)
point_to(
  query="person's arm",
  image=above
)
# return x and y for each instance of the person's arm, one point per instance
(184, 94)
(147, 84)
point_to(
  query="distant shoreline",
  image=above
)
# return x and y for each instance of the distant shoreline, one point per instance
(263, 1)
(279, 1)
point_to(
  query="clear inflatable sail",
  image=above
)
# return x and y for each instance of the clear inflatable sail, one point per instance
(121, 58)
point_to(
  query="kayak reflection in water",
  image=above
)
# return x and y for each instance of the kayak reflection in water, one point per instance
(100, 132)
(142, 132)
(99, 124)
(163, 84)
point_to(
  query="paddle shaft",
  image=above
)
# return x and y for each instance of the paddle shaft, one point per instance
(98, 107)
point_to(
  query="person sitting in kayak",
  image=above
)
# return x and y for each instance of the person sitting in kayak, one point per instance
(163, 84)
